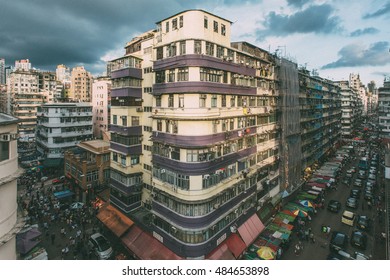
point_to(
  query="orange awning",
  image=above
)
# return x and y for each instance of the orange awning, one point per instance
(235, 244)
(113, 219)
(251, 229)
(221, 253)
(146, 247)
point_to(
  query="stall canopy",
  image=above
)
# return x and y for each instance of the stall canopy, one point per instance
(113, 219)
(251, 229)
(146, 247)
(63, 194)
(235, 244)
(221, 253)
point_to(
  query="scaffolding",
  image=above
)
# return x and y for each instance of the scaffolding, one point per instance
(290, 152)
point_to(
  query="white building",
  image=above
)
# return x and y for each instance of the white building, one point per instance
(384, 110)
(2, 71)
(61, 126)
(23, 64)
(9, 223)
(101, 105)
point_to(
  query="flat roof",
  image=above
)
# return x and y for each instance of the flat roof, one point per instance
(191, 10)
(7, 119)
(95, 146)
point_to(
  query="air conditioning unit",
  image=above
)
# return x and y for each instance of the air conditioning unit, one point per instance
(206, 176)
(162, 170)
(5, 137)
(139, 109)
(217, 205)
(174, 229)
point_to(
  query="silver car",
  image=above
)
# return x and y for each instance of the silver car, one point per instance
(100, 245)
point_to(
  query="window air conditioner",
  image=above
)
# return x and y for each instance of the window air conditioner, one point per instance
(5, 138)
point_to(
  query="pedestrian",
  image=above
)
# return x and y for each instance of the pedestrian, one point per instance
(312, 240)
(307, 235)
(53, 237)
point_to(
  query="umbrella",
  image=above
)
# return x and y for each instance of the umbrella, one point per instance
(300, 213)
(77, 205)
(306, 203)
(266, 253)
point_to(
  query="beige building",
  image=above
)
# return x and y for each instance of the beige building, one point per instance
(194, 136)
(81, 85)
(10, 224)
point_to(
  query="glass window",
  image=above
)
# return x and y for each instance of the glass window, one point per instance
(182, 74)
(214, 101)
(171, 76)
(158, 101)
(202, 100)
(182, 47)
(4, 151)
(167, 27)
(181, 101)
(134, 121)
(174, 24)
(170, 101)
(223, 29)
(114, 119)
(215, 26)
(197, 47)
(206, 22)
(181, 21)
(209, 48)
(160, 53)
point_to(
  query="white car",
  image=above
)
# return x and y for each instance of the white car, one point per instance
(100, 245)
(43, 179)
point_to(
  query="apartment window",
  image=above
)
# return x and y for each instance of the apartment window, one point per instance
(170, 101)
(124, 120)
(159, 125)
(214, 101)
(123, 160)
(197, 47)
(202, 100)
(175, 129)
(171, 50)
(171, 76)
(167, 27)
(167, 126)
(181, 21)
(233, 101)
(210, 75)
(114, 119)
(181, 101)
(160, 76)
(215, 26)
(224, 125)
(220, 51)
(158, 101)
(182, 74)
(134, 160)
(206, 22)
(134, 121)
(160, 53)
(115, 157)
(182, 47)
(174, 24)
(209, 48)
(223, 101)
(231, 124)
(223, 29)
(4, 151)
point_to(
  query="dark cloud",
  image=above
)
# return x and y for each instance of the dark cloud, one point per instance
(360, 32)
(76, 32)
(354, 55)
(382, 11)
(297, 3)
(318, 19)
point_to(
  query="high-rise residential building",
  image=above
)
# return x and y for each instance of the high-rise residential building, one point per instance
(62, 126)
(320, 117)
(62, 73)
(25, 97)
(10, 224)
(384, 110)
(348, 103)
(48, 86)
(194, 135)
(101, 107)
(81, 85)
(2, 71)
(23, 64)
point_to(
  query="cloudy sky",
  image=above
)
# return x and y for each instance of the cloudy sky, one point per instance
(333, 37)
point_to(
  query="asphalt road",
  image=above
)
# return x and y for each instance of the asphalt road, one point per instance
(320, 249)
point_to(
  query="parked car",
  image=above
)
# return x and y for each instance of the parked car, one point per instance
(360, 256)
(358, 183)
(363, 223)
(355, 193)
(334, 206)
(372, 177)
(368, 195)
(352, 202)
(56, 181)
(100, 246)
(359, 239)
(348, 218)
(338, 241)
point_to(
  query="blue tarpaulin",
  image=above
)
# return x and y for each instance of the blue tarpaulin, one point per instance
(63, 194)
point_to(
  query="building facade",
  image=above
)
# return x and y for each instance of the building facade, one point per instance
(81, 85)
(384, 110)
(2, 71)
(89, 167)
(23, 64)
(194, 135)
(61, 126)
(10, 224)
(25, 98)
(101, 107)
(321, 117)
